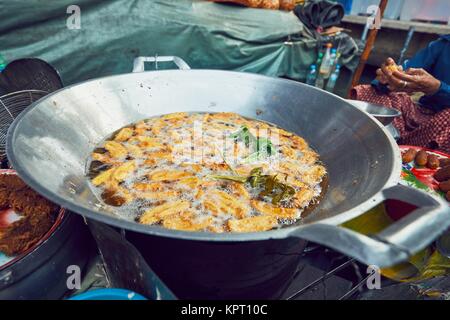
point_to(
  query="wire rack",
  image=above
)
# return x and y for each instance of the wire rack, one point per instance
(336, 265)
(11, 105)
(358, 287)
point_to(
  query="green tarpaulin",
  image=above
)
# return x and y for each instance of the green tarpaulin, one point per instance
(113, 32)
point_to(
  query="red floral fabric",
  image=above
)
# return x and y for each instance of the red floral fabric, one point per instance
(418, 126)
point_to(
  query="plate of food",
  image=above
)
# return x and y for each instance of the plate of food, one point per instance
(26, 218)
(426, 169)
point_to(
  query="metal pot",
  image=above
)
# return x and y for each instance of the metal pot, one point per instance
(42, 273)
(383, 114)
(49, 143)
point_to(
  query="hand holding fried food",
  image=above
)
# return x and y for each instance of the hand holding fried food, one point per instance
(415, 80)
(393, 67)
(386, 71)
(409, 81)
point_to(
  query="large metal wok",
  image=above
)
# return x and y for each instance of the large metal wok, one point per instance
(49, 143)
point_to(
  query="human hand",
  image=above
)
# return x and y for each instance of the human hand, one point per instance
(387, 67)
(416, 80)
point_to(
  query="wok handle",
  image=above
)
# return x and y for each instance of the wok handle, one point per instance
(139, 62)
(397, 242)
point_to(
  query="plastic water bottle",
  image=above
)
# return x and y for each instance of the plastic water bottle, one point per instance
(332, 62)
(312, 75)
(333, 79)
(320, 82)
(2, 63)
(319, 60)
(325, 68)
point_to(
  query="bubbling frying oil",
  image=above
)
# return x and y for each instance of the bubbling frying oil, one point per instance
(215, 172)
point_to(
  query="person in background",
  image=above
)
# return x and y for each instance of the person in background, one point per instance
(425, 123)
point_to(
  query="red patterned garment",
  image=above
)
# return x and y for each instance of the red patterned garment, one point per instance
(418, 126)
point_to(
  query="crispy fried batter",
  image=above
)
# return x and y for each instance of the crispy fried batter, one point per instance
(169, 175)
(220, 202)
(124, 134)
(185, 222)
(253, 224)
(156, 214)
(116, 149)
(182, 168)
(271, 210)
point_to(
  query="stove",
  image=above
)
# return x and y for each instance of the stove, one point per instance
(322, 274)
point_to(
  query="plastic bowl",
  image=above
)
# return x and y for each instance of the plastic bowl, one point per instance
(109, 294)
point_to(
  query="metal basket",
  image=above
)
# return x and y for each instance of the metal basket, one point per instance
(11, 105)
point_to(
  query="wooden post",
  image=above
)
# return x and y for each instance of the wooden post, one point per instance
(368, 48)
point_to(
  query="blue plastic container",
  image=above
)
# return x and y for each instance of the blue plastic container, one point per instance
(108, 294)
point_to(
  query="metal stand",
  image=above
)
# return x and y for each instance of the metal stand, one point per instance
(343, 292)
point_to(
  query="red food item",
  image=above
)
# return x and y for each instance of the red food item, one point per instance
(433, 161)
(443, 162)
(421, 158)
(445, 186)
(409, 155)
(442, 174)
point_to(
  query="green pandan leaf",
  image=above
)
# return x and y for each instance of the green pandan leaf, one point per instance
(273, 188)
(264, 147)
(245, 135)
(229, 178)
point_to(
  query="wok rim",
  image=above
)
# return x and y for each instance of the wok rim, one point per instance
(159, 231)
